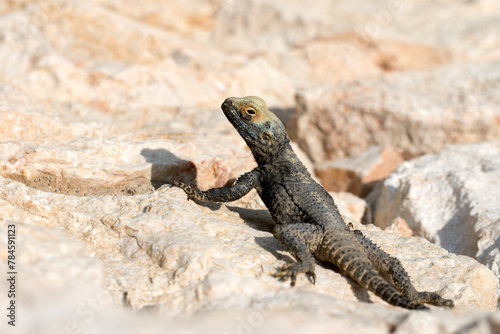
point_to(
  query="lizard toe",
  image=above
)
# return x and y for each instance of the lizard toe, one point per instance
(434, 299)
(311, 275)
(292, 270)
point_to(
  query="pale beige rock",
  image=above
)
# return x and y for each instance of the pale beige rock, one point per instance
(450, 198)
(160, 249)
(471, 322)
(155, 57)
(65, 55)
(399, 225)
(57, 270)
(413, 112)
(349, 205)
(184, 17)
(53, 269)
(47, 259)
(336, 41)
(365, 27)
(86, 166)
(162, 57)
(358, 174)
(115, 95)
(339, 57)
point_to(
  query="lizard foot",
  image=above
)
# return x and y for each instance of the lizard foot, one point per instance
(434, 299)
(291, 270)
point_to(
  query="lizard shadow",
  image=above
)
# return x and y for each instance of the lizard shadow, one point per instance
(261, 220)
(166, 167)
(359, 292)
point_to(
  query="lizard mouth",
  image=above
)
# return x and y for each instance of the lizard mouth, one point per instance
(232, 113)
(227, 105)
(246, 130)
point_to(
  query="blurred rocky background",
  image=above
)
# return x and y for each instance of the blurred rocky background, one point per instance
(393, 105)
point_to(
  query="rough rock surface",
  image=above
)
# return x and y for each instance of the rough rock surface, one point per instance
(450, 198)
(414, 112)
(102, 101)
(364, 40)
(164, 253)
(358, 174)
(399, 225)
(69, 276)
(110, 165)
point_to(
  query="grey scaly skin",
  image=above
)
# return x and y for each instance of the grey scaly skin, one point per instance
(308, 222)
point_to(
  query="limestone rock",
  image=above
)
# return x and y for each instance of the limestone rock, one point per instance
(160, 249)
(57, 270)
(364, 40)
(399, 225)
(47, 259)
(102, 101)
(85, 166)
(52, 269)
(280, 25)
(37, 127)
(358, 174)
(450, 198)
(414, 112)
(425, 323)
(349, 205)
(62, 52)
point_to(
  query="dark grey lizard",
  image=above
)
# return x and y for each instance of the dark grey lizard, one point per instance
(308, 222)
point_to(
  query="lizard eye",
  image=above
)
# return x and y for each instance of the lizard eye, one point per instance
(249, 113)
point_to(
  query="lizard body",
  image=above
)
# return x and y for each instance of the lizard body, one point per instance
(308, 222)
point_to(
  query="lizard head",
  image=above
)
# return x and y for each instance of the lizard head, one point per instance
(263, 132)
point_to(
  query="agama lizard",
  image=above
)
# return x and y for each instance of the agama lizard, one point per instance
(308, 222)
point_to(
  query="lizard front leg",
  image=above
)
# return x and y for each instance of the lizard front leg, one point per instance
(301, 240)
(240, 188)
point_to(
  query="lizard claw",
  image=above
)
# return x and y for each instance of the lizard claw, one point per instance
(434, 299)
(291, 270)
(312, 277)
(284, 273)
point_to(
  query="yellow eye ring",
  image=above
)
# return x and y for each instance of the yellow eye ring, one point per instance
(249, 113)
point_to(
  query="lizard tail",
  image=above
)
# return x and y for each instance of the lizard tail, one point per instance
(340, 248)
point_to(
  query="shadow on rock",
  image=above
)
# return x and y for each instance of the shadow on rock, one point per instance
(166, 168)
(258, 219)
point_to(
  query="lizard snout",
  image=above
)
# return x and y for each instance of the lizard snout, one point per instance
(227, 102)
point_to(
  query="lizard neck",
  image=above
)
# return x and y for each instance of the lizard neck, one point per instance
(283, 156)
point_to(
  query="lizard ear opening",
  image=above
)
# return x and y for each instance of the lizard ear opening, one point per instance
(266, 137)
